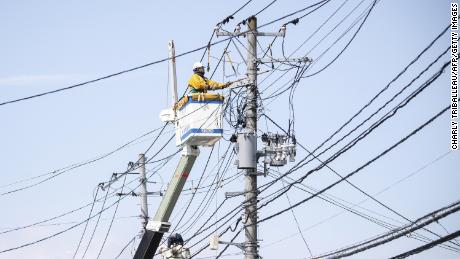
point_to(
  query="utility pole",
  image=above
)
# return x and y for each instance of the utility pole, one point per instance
(143, 193)
(247, 140)
(250, 221)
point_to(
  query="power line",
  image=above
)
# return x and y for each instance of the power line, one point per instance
(353, 185)
(297, 79)
(428, 246)
(224, 21)
(57, 233)
(298, 226)
(388, 115)
(265, 8)
(305, 41)
(144, 65)
(349, 42)
(199, 213)
(97, 223)
(126, 246)
(61, 171)
(110, 75)
(321, 3)
(86, 225)
(75, 225)
(396, 233)
(334, 201)
(280, 91)
(414, 132)
(368, 131)
(404, 70)
(111, 222)
(310, 197)
(193, 195)
(221, 234)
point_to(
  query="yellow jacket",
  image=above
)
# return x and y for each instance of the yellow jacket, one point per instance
(198, 84)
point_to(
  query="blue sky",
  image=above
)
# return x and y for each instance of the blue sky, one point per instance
(52, 44)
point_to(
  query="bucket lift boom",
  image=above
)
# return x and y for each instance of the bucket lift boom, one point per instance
(198, 122)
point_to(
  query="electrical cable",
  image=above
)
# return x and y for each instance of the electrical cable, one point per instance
(63, 170)
(265, 8)
(111, 222)
(226, 246)
(349, 42)
(404, 70)
(356, 32)
(428, 246)
(333, 200)
(351, 184)
(384, 118)
(126, 246)
(110, 75)
(97, 223)
(298, 226)
(396, 233)
(224, 21)
(61, 215)
(303, 43)
(57, 233)
(360, 137)
(86, 225)
(145, 65)
(414, 132)
(199, 213)
(193, 195)
(321, 3)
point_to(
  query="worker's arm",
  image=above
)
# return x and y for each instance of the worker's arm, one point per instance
(213, 85)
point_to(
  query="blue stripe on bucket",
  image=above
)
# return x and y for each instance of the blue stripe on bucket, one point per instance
(197, 130)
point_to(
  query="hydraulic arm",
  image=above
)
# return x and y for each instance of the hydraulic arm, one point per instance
(159, 225)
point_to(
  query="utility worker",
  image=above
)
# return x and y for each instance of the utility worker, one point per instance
(198, 83)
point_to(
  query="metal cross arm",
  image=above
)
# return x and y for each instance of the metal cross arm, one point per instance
(237, 33)
(276, 60)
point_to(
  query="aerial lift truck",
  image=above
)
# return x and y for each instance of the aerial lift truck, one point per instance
(198, 121)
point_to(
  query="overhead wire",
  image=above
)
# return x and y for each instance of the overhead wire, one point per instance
(414, 132)
(426, 84)
(66, 169)
(348, 43)
(126, 246)
(387, 86)
(147, 64)
(109, 76)
(224, 21)
(62, 215)
(321, 3)
(96, 224)
(428, 246)
(194, 193)
(353, 185)
(351, 144)
(298, 225)
(57, 233)
(111, 222)
(292, 82)
(334, 201)
(198, 213)
(365, 14)
(357, 139)
(87, 222)
(396, 233)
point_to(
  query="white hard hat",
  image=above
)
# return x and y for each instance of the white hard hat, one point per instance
(197, 65)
